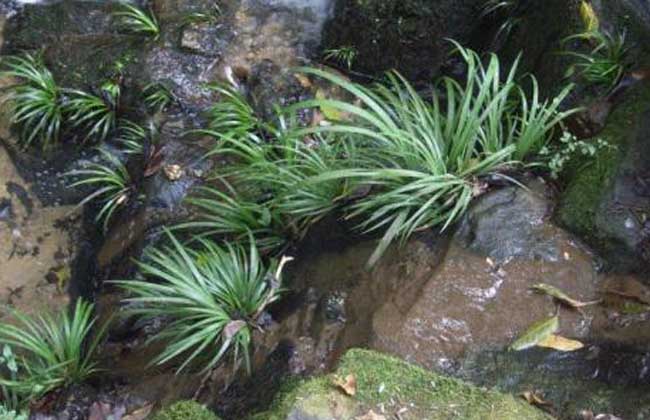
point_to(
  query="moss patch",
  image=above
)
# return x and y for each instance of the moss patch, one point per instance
(185, 410)
(384, 382)
(588, 179)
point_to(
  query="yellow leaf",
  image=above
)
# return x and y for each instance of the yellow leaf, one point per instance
(330, 113)
(536, 333)
(589, 17)
(557, 342)
(347, 384)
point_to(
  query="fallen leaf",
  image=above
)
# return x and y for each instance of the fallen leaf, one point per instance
(536, 333)
(628, 288)
(558, 294)
(347, 385)
(371, 415)
(139, 414)
(303, 80)
(534, 398)
(560, 343)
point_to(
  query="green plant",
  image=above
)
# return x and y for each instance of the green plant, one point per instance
(136, 21)
(112, 182)
(272, 198)
(503, 10)
(237, 218)
(36, 99)
(233, 118)
(132, 136)
(570, 148)
(158, 97)
(425, 159)
(344, 55)
(604, 64)
(9, 414)
(211, 16)
(92, 113)
(112, 90)
(213, 296)
(53, 351)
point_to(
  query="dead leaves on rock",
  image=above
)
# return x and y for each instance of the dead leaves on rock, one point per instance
(561, 297)
(347, 385)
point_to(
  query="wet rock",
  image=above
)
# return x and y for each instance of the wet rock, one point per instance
(479, 295)
(199, 38)
(270, 86)
(510, 223)
(624, 210)
(606, 200)
(405, 35)
(598, 378)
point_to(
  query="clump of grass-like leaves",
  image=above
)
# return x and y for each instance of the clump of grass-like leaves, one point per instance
(344, 55)
(210, 16)
(158, 97)
(214, 297)
(233, 118)
(95, 115)
(604, 64)
(52, 351)
(272, 198)
(7, 413)
(425, 158)
(136, 21)
(112, 184)
(504, 11)
(131, 136)
(36, 99)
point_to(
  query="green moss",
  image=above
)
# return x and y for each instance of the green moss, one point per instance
(588, 179)
(185, 410)
(391, 384)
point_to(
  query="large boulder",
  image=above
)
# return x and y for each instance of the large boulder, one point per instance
(605, 200)
(381, 387)
(478, 296)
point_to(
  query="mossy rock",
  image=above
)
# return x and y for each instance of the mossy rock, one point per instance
(185, 410)
(387, 385)
(587, 200)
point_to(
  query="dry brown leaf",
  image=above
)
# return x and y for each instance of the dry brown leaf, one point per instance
(534, 398)
(139, 414)
(303, 80)
(560, 343)
(348, 384)
(371, 415)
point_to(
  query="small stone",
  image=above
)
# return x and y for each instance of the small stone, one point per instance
(173, 172)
